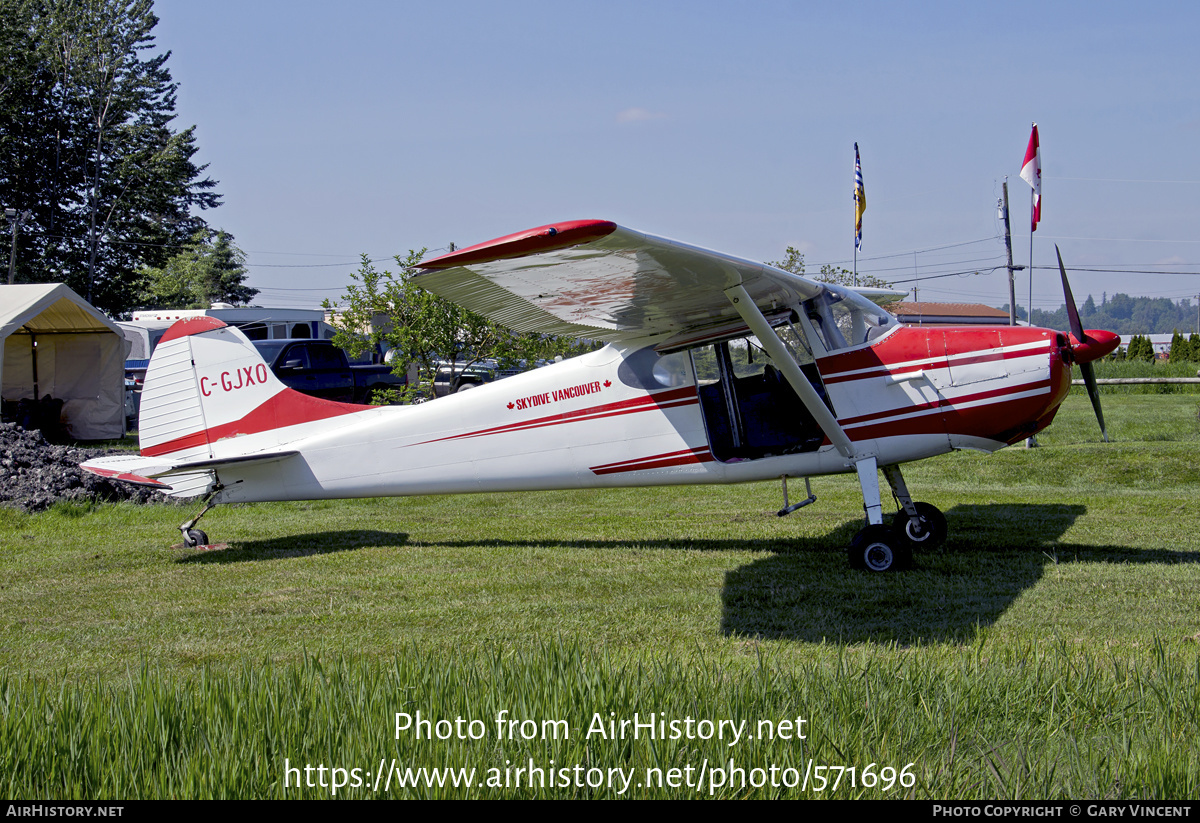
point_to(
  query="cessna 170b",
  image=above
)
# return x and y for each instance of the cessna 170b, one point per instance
(717, 370)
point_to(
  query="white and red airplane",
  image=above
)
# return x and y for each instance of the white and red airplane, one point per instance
(717, 370)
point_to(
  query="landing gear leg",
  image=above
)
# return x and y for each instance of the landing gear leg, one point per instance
(876, 548)
(868, 479)
(193, 537)
(921, 525)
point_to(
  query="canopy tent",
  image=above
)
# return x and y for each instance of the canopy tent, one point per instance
(57, 345)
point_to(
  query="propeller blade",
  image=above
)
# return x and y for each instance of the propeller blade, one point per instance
(1089, 380)
(1072, 312)
(1086, 349)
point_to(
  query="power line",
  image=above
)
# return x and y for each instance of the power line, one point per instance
(963, 273)
(1126, 271)
(917, 251)
(1116, 180)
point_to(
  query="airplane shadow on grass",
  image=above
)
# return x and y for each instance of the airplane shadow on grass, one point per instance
(305, 545)
(803, 588)
(993, 554)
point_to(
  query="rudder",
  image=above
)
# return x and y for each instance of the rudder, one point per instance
(203, 377)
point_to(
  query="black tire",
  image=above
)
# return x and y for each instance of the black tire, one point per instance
(878, 549)
(194, 537)
(930, 533)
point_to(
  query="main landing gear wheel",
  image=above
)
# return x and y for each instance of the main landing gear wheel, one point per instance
(928, 533)
(879, 549)
(194, 537)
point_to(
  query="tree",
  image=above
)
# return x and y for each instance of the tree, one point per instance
(386, 309)
(210, 269)
(1180, 350)
(1140, 348)
(88, 147)
(793, 261)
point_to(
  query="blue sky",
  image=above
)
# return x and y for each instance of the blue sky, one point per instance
(374, 127)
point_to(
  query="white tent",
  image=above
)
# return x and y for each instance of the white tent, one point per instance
(56, 344)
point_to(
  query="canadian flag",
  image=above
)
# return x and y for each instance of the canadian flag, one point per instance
(1031, 173)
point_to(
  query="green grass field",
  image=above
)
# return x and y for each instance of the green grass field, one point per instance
(1048, 650)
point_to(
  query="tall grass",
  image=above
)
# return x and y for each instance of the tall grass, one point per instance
(1028, 723)
(1125, 369)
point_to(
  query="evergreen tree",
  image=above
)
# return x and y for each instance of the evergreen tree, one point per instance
(211, 269)
(86, 145)
(1179, 348)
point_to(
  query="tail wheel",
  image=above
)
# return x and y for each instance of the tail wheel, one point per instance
(929, 530)
(194, 537)
(879, 549)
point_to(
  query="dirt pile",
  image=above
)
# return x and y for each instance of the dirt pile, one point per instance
(35, 474)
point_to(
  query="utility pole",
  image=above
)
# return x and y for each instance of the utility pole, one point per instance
(1012, 289)
(917, 284)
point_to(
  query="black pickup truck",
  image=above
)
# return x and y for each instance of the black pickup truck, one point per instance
(319, 368)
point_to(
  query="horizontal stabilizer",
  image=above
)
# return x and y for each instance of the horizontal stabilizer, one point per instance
(131, 468)
(216, 463)
(150, 471)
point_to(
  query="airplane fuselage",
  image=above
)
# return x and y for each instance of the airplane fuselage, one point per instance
(626, 416)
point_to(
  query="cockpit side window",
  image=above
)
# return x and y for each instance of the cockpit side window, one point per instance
(750, 410)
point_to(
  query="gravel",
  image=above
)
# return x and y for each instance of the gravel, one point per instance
(35, 474)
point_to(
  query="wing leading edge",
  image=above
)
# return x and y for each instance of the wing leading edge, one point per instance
(595, 279)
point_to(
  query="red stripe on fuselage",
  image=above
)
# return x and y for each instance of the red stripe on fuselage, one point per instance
(661, 400)
(287, 408)
(1003, 416)
(943, 402)
(936, 363)
(916, 345)
(657, 461)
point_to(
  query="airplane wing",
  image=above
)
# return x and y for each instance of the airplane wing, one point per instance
(595, 279)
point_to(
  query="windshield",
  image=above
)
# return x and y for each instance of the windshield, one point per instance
(843, 318)
(269, 351)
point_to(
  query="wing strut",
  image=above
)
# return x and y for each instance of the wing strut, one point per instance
(787, 365)
(865, 465)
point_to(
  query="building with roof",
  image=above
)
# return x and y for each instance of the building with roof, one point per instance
(948, 314)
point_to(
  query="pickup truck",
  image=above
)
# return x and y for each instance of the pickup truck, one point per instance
(453, 378)
(321, 369)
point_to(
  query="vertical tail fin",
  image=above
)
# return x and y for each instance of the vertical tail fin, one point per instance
(209, 395)
(203, 376)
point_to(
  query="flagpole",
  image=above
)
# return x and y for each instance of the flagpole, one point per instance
(1031, 226)
(1031, 173)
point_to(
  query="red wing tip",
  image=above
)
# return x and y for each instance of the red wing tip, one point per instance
(191, 325)
(533, 241)
(128, 477)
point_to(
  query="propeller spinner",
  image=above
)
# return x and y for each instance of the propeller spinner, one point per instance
(1087, 346)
